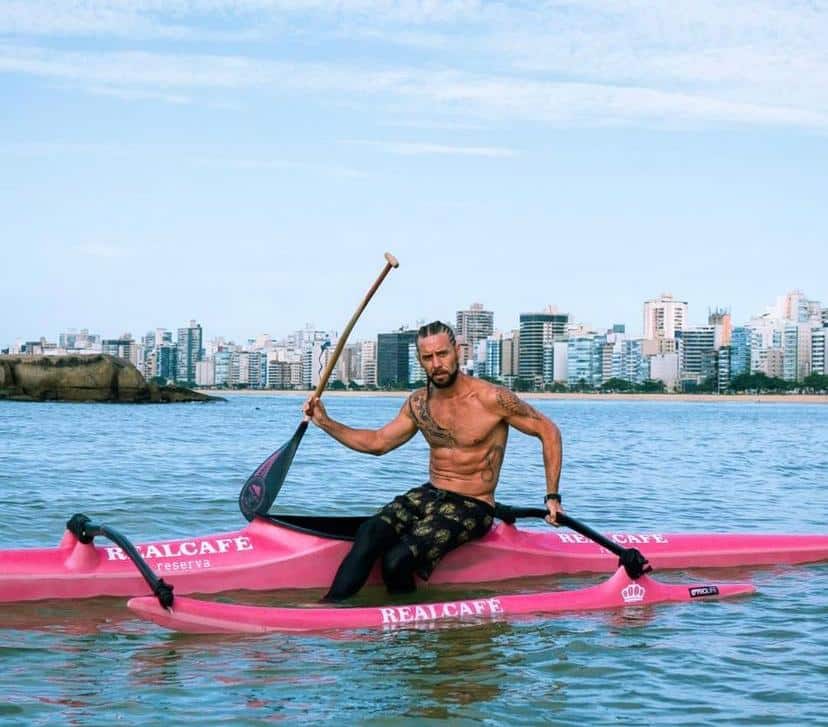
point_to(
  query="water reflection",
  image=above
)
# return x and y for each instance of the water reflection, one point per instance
(88, 616)
(450, 667)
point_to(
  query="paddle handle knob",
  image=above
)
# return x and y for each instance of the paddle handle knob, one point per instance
(392, 261)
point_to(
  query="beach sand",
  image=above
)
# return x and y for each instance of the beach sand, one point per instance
(691, 398)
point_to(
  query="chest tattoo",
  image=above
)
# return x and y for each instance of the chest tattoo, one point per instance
(435, 434)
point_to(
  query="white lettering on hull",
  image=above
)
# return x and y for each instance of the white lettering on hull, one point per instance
(620, 538)
(438, 611)
(183, 555)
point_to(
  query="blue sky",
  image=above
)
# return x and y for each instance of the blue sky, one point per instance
(247, 162)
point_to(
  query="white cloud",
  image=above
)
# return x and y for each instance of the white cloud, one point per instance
(466, 95)
(582, 61)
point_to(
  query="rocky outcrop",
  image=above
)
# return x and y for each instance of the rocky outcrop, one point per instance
(84, 378)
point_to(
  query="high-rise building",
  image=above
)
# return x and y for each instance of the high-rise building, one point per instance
(315, 361)
(189, 352)
(774, 363)
(206, 373)
(494, 357)
(698, 353)
(465, 353)
(585, 361)
(223, 366)
(392, 358)
(664, 367)
(537, 329)
(793, 306)
(278, 374)
(252, 369)
(166, 362)
(346, 367)
(723, 373)
(560, 365)
(548, 372)
(819, 351)
(765, 335)
(796, 351)
(368, 363)
(416, 373)
(510, 355)
(628, 361)
(664, 317)
(124, 347)
(474, 325)
(304, 339)
(73, 340)
(720, 317)
(740, 352)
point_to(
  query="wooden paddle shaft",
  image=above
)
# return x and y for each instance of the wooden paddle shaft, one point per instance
(391, 262)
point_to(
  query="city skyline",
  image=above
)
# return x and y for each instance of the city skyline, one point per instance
(361, 335)
(249, 162)
(784, 347)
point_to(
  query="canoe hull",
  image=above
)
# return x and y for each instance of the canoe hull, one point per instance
(267, 556)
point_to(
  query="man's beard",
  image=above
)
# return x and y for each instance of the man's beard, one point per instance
(449, 382)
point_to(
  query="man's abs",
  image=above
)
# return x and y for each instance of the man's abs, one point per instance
(472, 471)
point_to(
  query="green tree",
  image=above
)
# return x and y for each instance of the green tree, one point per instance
(708, 386)
(760, 383)
(652, 386)
(817, 383)
(616, 384)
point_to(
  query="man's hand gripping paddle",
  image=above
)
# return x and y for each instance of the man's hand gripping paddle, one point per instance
(262, 487)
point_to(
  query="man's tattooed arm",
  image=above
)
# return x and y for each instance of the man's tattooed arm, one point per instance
(513, 405)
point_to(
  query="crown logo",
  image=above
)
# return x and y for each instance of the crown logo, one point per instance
(633, 593)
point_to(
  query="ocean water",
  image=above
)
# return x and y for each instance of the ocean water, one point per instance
(158, 472)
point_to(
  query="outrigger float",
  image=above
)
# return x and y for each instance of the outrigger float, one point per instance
(191, 615)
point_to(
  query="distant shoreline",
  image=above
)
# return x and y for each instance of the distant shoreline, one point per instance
(698, 398)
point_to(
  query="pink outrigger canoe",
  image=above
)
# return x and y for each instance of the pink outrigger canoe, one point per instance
(191, 615)
(280, 552)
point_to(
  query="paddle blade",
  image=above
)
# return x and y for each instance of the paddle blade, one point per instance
(262, 487)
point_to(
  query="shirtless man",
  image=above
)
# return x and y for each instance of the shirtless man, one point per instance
(466, 423)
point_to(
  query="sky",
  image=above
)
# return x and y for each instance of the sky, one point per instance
(246, 163)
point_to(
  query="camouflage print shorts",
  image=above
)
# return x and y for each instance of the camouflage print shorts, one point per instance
(432, 522)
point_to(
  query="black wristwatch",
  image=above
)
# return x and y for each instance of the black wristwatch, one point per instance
(552, 496)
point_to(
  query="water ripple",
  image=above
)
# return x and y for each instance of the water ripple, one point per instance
(174, 471)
